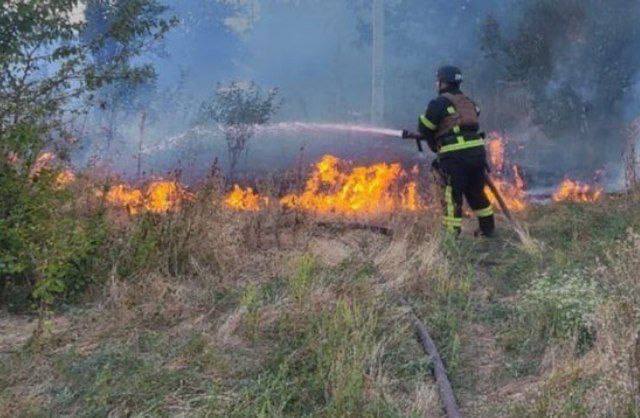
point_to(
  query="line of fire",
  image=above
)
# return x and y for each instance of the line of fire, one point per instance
(334, 187)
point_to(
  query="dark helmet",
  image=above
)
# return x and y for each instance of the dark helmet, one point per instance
(450, 74)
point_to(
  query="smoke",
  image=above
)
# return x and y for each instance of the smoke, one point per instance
(318, 53)
(575, 64)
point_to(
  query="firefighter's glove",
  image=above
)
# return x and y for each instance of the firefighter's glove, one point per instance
(435, 165)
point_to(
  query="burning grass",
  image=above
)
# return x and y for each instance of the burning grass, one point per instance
(159, 196)
(574, 191)
(245, 200)
(335, 188)
(510, 184)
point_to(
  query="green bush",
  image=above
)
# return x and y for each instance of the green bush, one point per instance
(47, 250)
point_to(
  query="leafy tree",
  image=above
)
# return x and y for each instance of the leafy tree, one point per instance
(50, 64)
(48, 61)
(239, 108)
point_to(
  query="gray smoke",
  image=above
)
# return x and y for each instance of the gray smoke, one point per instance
(554, 75)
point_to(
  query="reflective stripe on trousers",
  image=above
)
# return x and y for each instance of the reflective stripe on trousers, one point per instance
(451, 222)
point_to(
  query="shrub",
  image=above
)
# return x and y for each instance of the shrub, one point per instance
(47, 251)
(560, 306)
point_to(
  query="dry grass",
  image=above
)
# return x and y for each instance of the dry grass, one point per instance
(265, 314)
(222, 318)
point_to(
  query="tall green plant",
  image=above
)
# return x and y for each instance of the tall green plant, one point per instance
(239, 108)
(47, 59)
(47, 251)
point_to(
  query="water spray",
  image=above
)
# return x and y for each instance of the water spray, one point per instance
(282, 127)
(328, 127)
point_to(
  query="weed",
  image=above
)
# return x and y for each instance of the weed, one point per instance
(559, 306)
(301, 281)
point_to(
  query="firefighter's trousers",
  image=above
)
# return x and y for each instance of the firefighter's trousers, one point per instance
(463, 174)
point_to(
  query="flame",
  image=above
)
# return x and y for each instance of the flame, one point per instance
(43, 161)
(47, 161)
(333, 188)
(65, 178)
(513, 195)
(574, 191)
(244, 200)
(160, 196)
(123, 196)
(495, 148)
(520, 184)
(511, 187)
(164, 196)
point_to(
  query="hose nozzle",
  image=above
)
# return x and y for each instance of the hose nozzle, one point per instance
(410, 135)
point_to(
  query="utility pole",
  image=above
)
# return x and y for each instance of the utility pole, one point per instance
(377, 68)
(143, 119)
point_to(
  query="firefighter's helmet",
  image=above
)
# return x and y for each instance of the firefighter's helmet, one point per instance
(450, 74)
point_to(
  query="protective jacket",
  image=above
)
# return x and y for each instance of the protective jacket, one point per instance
(451, 123)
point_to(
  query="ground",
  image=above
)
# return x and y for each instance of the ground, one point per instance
(297, 321)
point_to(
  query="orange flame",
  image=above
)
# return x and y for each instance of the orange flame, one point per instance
(44, 161)
(520, 184)
(65, 178)
(574, 191)
(512, 192)
(164, 196)
(244, 200)
(373, 190)
(495, 148)
(47, 161)
(123, 196)
(161, 196)
(514, 197)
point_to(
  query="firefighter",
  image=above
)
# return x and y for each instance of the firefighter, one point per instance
(450, 128)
